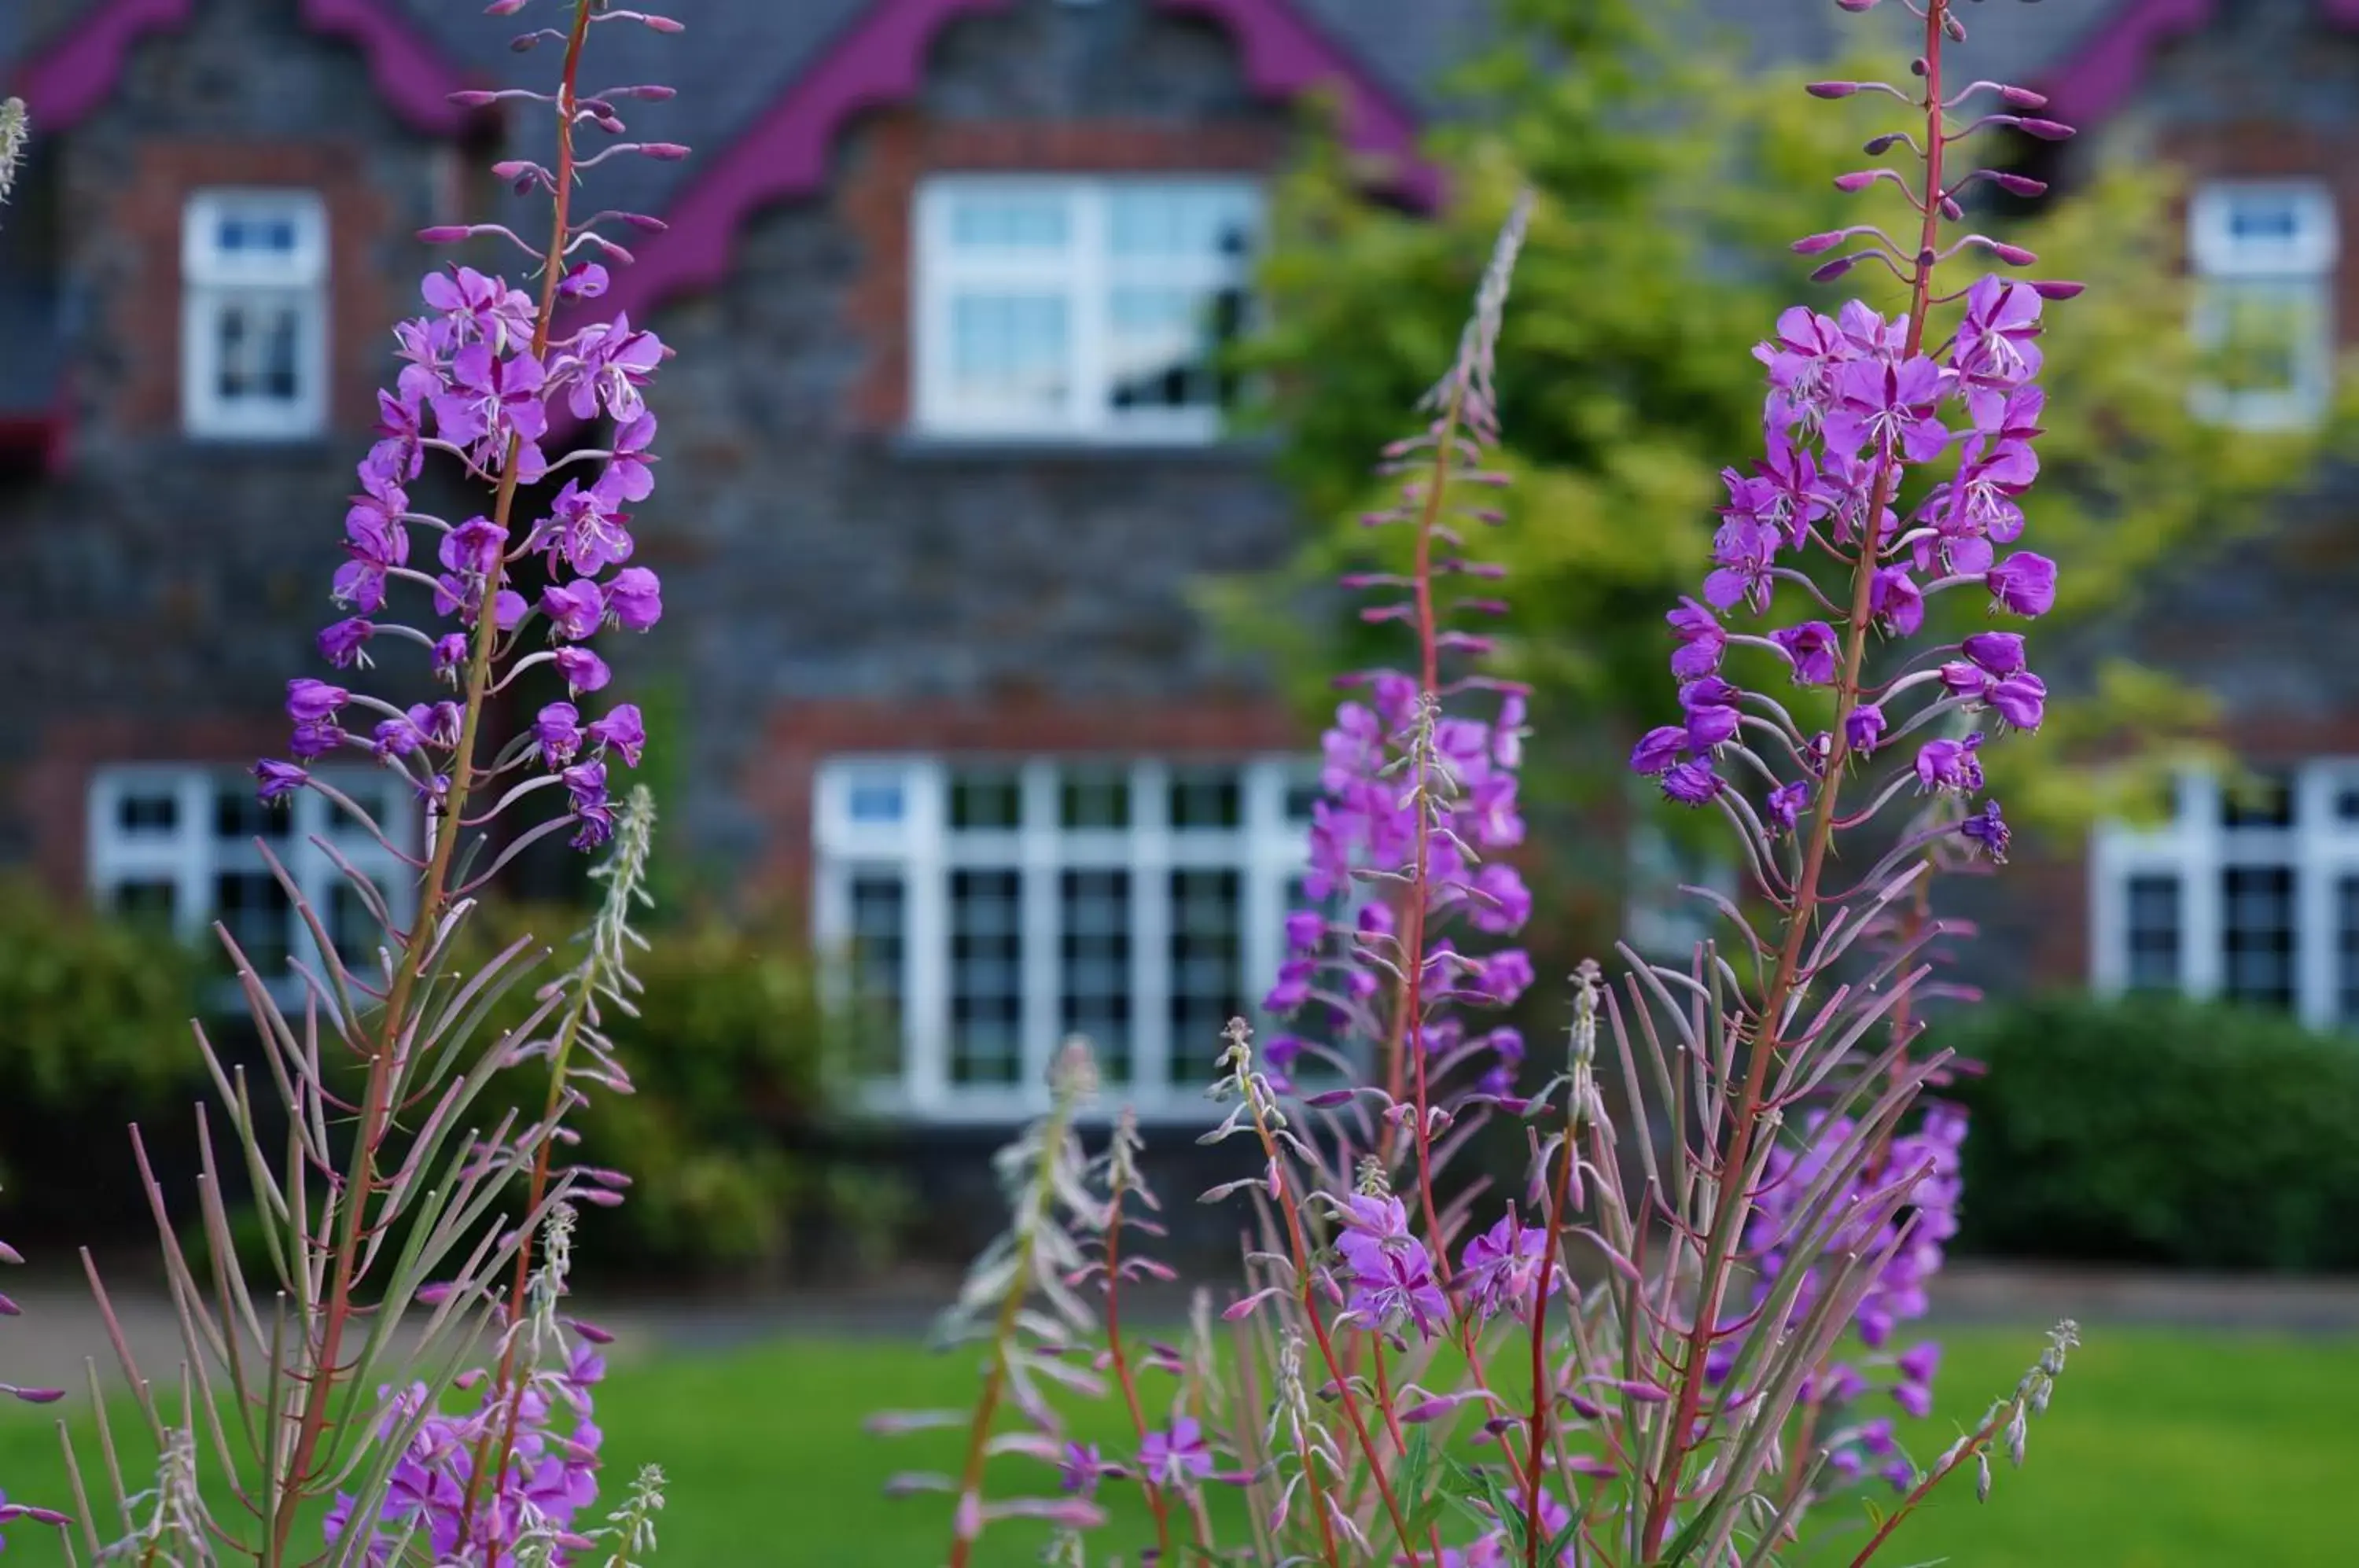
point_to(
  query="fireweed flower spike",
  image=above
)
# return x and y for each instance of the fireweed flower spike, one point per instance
(332, 1411)
(1662, 1421)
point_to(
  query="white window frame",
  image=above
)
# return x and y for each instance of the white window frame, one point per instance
(1086, 275)
(191, 853)
(2302, 267)
(212, 280)
(2321, 849)
(1266, 850)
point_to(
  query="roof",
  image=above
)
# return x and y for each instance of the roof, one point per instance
(774, 83)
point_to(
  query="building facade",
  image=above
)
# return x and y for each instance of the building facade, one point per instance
(948, 458)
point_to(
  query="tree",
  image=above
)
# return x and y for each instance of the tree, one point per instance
(1670, 183)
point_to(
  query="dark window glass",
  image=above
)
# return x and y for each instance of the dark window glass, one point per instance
(986, 799)
(157, 812)
(986, 976)
(2263, 802)
(880, 943)
(2153, 932)
(1207, 950)
(1207, 798)
(255, 908)
(1094, 939)
(145, 903)
(1094, 798)
(2257, 934)
(238, 815)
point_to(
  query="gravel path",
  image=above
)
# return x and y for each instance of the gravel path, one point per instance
(57, 1331)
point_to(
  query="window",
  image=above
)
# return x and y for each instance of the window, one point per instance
(2264, 255)
(987, 910)
(176, 845)
(1078, 309)
(2249, 892)
(253, 277)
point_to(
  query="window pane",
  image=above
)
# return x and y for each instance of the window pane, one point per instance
(1207, 950)
(157, 811)
(2266, 800)
(1010, 350)
(238, 814)
(2263, 336)
(986, 976)
(2154, 933)
(875, 800)
(353, 930)
(1181, 221)
(2257, 934)
(1094, 798)
(1008, 220)
(256, 910)
(146, 902)
(879, 940)
(2346, 950)
(1160, 345)
(1095, 921)
(986, 799)
(1206, 797)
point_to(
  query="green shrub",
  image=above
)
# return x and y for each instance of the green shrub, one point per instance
(729, 1057)
(2155, 1130)
(93, 1011)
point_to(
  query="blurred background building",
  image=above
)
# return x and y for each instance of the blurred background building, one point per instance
(947, 280)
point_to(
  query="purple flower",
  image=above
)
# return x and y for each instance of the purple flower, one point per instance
(2024, 583)
(1810, 650)
(276, 780)
(1501, 903)
(1864, 728)
(1881, 405)
(610, 363)
(1987, 831)
(2021, 699)
(1998, 653)
(394, 738)
(574, 610)
(1995, 352)
(439, 724)
(1690, 783)
(628, 476)
(1388, 1273)
(1503, 1266)
(340, 643)
(1741, 552)
(583, 671)
(1306, 931)
(1504, 975)
(1658, 749)
(480, 309)
(492, 399)
(586, 783)
(1293, 987)
(1786, 804)
(451, 656)
(1950, 765)
(309, 700)
(557, 728)
(1961, 678)
(1702, 641)
(474, 547)
(1897, 600)
(1175, 1457)
(1080, 1469)
(585, 530)
(1919, 1362)
(622, 730)
(1914, 1397)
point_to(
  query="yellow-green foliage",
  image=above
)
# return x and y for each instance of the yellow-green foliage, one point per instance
(1669, 184)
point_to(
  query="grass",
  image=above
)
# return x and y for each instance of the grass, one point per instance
(2162, 1450)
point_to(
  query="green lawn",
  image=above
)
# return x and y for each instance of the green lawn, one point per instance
(2162, 1450)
